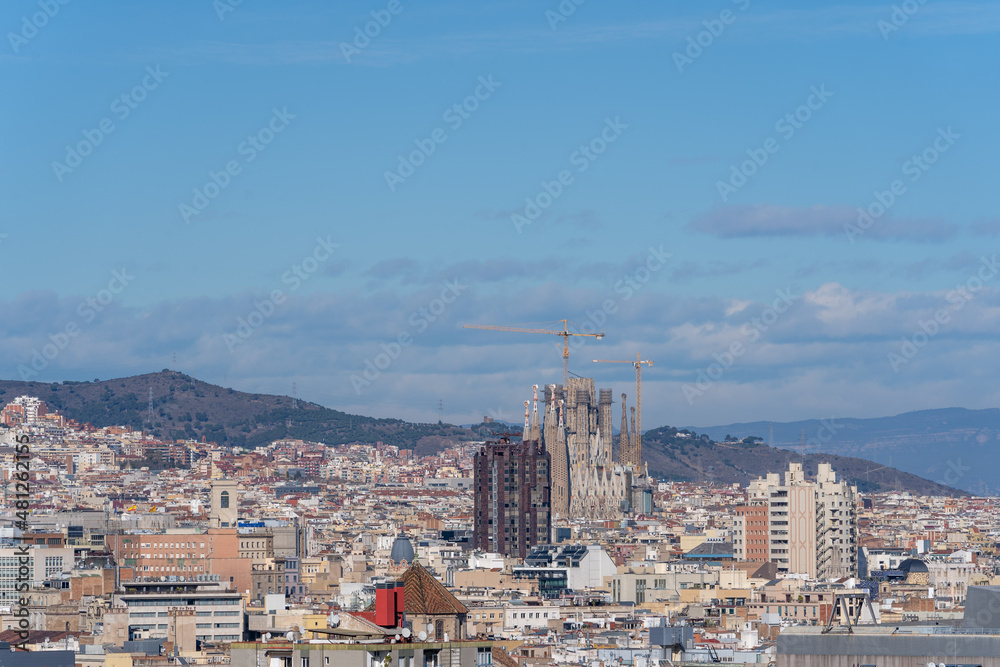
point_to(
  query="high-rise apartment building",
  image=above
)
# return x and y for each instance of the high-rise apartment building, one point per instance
(804, 527)
(23, 410)
(512, 497)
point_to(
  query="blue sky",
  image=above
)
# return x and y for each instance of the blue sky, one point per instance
(873, 86)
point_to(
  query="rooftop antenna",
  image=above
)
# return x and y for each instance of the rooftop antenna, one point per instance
(149, 412)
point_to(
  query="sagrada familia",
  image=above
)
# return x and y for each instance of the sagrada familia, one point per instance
(576, 432)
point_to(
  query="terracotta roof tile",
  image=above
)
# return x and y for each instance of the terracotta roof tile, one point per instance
(501, 657)
(427, 595)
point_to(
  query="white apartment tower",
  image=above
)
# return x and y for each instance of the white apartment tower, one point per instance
(810, 527)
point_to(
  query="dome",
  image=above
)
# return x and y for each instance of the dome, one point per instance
(913, 566)
(402, 550)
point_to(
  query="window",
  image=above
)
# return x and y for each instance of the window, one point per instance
(304, 662)
(439, 630)
(224, 504)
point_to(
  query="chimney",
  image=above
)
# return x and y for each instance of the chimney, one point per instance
(385, 605)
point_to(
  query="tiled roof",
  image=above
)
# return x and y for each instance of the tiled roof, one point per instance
(501, 657)
(427, 595)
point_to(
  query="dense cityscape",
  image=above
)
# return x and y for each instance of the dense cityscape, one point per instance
(518, 551)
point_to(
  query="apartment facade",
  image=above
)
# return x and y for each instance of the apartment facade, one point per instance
(512, 497)
(805, 527)
(43, 562)
(186, 612)
(752, 535)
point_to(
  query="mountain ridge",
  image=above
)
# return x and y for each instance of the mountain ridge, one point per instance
(187, 408)
(956, 446)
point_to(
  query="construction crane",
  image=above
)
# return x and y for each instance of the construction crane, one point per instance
(637, 364)
(565, 333)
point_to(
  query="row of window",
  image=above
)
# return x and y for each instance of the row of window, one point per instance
(175, 554)
(183, 602)
(164, 614)
(173, 568)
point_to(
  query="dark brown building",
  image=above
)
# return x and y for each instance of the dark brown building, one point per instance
(512, 497)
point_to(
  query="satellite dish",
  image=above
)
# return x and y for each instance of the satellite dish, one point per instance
(422, 636)
(398, 637)
(430, 628)
(407, 633)
(290, 636)
(335, 620)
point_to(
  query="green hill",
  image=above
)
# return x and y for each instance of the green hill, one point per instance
(184, 408)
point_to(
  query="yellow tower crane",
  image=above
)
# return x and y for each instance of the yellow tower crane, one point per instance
(637, 364)
(565, 333)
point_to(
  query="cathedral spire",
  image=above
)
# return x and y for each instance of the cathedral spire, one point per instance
(623, 455)
(535, 433)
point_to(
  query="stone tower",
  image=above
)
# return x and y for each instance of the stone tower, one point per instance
(225, 504)
(554, 438)
(623, 445)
